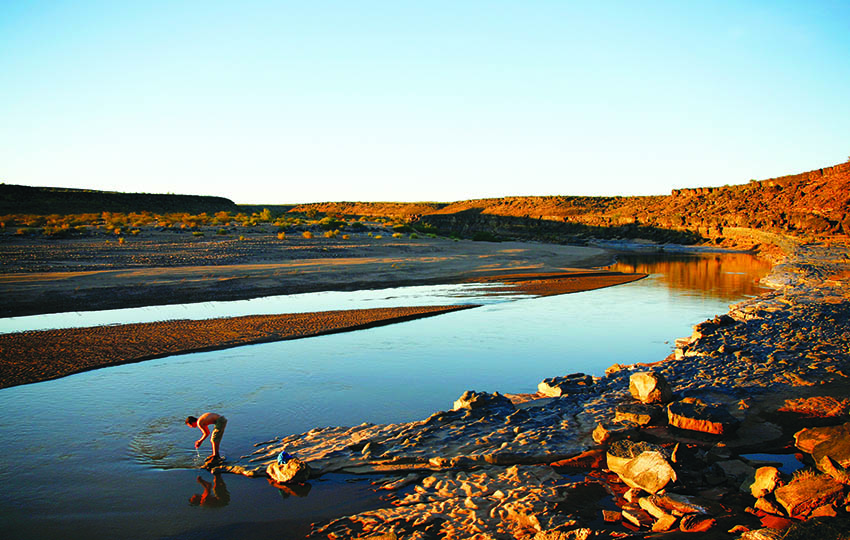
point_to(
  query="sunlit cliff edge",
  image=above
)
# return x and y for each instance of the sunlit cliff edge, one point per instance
(809, 204)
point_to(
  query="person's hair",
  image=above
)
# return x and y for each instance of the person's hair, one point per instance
(191, 420)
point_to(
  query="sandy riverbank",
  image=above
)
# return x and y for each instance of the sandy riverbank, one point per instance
(83, 274)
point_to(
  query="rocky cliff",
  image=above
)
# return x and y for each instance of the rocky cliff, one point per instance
(813, 203)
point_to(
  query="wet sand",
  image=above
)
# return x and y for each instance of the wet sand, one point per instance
(27, 357)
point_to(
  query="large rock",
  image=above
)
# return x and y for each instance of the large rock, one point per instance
(696, 415)
(621, 452)
(807, 439)
(649, 387)
(577, 383)
(483, 402)
(766, 480)
(829, 447)
(606, 432)
(293, 471)
(642, 414)
(804, 494)
(650, 471)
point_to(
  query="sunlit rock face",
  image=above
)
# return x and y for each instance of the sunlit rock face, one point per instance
(648, 387)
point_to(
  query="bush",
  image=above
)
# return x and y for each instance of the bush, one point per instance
(414, 236)
(221, 232)
(307, 234)
(330, 224)
(397, 235)
(281, 235)
(197, 233)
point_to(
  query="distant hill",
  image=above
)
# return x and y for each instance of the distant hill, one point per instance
(814, 203)
(16, 199)
(811, 204)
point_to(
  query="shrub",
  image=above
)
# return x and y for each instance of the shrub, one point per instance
(307, 234)
(414, 236)
(121, 240)
(397, 235)
(197, 233)
(331, 234)
(281, 235)
(221, 232)
(241, 237)
(345, 237)
(330, 224)
(378, 237)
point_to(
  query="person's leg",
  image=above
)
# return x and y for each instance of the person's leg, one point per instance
(217, 434)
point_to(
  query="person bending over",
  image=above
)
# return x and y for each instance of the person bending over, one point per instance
(203, 423)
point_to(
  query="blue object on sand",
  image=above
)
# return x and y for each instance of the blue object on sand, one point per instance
(283, 457)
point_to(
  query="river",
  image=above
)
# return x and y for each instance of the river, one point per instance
(105, 453)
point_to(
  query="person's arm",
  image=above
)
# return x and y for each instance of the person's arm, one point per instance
(206, 431)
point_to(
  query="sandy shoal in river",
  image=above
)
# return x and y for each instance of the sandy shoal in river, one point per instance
(27, 357)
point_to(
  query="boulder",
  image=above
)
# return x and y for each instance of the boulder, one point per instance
(483, 402)
(650, 471)
(621, 452)
(695, 415)
(649, 387)
(577, 383)
(766, 505)
(806, 439)
(293, 471)
(802, 495)
(829, 447)
(642, 414)
(606, 432)
(765, 481)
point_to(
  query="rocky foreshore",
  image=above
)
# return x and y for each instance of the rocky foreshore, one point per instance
(694, 443)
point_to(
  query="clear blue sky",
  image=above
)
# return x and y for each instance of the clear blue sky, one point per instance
(278, 102)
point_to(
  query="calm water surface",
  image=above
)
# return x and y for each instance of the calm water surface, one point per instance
(105, 453)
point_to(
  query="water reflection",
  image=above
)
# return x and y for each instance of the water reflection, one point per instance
(215, 495)
(727, 276)
(292, 490)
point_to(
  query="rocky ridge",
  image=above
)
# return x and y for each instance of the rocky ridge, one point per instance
(499, 467)
(809, 204)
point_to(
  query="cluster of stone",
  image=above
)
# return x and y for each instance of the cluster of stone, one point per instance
(649, 470)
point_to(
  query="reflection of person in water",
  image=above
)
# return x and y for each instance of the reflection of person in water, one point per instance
(215, 495)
